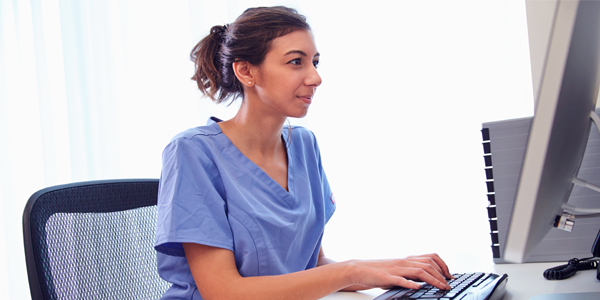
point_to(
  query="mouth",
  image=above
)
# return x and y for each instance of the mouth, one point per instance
(306, 98)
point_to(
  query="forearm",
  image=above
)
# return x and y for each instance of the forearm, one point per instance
(327, 261)
(216, 276)
(309, 284)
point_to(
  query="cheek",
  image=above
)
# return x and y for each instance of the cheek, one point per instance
(279, 83)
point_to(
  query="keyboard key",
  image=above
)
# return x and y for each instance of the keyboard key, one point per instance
(417, 295)
(451, 294)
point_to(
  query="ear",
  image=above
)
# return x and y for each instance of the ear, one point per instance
(244, 71)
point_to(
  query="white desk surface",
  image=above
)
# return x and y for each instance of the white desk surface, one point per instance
(524, 282)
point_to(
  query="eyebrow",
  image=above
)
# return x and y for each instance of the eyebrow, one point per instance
(301, 53)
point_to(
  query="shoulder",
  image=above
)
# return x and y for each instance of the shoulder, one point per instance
(300, 133)
(301, 139)
(203, 139)
(200, 132)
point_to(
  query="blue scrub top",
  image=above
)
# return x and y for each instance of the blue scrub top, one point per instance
(211, 194)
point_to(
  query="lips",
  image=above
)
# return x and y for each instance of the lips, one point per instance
(306, 99)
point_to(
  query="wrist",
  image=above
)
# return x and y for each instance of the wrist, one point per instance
(353, 276)
(350, 271)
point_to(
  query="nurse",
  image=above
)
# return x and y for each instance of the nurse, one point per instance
(243, 203)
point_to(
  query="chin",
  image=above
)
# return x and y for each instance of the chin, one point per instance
(299, 114)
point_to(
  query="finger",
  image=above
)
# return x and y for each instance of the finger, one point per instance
(442, 264)
(430, 265)
(423, 275)
(422, 272)
(439, 264)
(428, 260)
(403, 282)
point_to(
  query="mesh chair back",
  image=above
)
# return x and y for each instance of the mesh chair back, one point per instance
(93, 240)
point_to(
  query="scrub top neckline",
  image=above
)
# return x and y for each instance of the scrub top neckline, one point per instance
(254, 169)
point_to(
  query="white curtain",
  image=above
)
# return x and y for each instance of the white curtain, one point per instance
(95, 89)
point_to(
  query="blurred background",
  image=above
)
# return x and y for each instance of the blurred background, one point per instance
(96, 89)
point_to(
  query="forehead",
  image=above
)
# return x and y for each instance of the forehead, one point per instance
(302, 40)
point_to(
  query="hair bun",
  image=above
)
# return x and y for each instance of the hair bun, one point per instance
(223, 30)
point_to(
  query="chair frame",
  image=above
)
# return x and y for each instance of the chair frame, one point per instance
(32, 268)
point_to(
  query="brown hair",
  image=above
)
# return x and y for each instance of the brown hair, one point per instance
(248, 39)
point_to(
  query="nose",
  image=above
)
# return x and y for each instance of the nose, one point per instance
(313, 78)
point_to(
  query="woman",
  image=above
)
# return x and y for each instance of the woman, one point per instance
(243, 202)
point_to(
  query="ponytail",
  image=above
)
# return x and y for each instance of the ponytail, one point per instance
(207, 59)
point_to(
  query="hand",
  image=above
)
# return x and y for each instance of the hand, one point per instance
(429, 268)
(434, 260)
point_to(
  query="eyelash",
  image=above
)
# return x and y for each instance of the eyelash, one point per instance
(298, 61)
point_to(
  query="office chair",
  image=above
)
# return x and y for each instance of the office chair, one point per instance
(93, 240)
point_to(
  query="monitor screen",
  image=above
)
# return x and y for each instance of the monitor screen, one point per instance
(566, 96)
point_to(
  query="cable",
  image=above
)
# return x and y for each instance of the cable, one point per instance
(585, 184)
(574, 265)
(587, 216)
(579, 211)
(565, 271)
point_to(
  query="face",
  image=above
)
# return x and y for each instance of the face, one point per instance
(287, 79)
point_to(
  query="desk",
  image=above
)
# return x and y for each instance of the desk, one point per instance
(524, 282)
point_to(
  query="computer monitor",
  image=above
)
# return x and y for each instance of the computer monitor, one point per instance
(566, 92)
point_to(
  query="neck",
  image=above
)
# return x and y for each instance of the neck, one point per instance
(253, 133)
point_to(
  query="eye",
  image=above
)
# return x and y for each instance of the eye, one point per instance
(297, 61)
(316, 63)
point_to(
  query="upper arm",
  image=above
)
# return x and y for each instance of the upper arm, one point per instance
(213, 268)
(190, 200)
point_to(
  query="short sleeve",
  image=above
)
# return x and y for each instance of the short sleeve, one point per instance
(191, 199)
(328, 196)
(330, 204)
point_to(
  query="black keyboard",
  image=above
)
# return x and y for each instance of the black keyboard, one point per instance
(466, 286)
